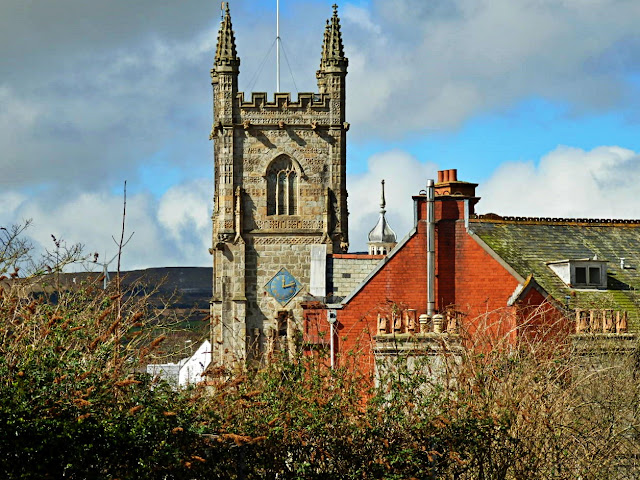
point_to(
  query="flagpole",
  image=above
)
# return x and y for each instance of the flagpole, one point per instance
(277, 46)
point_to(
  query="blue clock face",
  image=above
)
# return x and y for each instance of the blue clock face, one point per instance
(283, 286)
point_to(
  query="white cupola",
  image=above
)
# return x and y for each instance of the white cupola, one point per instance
(381, 238)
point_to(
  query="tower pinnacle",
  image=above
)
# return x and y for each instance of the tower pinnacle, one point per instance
(226, 59)
(333, 58)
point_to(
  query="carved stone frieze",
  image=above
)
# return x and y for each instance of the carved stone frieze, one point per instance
(288, 224)
(293, 240)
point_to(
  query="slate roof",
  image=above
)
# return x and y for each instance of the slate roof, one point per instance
(526, 244)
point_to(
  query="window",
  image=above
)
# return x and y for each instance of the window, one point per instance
(581, 273)
(282, 187)
(587, 276)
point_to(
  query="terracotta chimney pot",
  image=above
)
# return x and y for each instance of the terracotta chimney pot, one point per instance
(453, 175)
(440, 176)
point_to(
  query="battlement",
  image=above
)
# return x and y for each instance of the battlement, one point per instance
(282, 102)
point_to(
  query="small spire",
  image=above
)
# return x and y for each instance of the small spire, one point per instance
(226, 56)
(382, 238)
(332, 47)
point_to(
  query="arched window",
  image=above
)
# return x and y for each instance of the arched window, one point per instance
(282, 187)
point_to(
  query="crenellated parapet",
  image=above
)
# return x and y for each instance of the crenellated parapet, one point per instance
(282, 102)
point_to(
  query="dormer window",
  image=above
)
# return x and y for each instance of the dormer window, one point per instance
(582, 273)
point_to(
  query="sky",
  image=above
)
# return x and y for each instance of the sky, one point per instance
(537, 101)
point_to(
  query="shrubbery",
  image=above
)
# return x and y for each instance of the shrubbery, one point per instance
(75, 403)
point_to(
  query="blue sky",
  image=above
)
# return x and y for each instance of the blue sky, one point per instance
(536, 101)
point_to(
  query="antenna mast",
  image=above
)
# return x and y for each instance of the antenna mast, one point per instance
(277, 46)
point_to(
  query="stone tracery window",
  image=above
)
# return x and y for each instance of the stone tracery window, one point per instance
(282, 187)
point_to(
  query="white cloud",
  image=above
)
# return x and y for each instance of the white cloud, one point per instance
(176, 230)
(185, 214)
(449, 60)
(172, 231)
(567, 182)
(93, 219)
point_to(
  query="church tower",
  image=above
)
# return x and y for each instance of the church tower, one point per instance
(279, 195)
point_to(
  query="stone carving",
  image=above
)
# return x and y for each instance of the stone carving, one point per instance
(621, 322)
(288, 224)
(452, 323)
(608, 322)
(410, 320)
(225, 237)
(582, 321)
(383, 327)
(286, 240)
(595, 321)
(396, 319)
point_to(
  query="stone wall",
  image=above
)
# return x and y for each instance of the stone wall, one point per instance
(345, 272)
(279, 188)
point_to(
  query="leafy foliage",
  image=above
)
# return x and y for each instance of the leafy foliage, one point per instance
(75, 403)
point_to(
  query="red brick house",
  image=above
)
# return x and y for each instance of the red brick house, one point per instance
(504, 275)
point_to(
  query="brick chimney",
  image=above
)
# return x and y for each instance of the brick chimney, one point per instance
(448, 184)
(449, 188)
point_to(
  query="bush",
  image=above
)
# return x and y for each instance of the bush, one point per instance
(75, 403)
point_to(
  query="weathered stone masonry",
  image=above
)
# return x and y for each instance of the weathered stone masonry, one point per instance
(279, 188)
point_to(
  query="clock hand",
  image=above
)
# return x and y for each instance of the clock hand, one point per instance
(287, 285)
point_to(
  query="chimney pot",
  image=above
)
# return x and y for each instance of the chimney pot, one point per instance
(445, 175)
(453, 175)
(440, 176)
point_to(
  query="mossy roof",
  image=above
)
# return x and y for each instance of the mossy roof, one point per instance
(528, 244)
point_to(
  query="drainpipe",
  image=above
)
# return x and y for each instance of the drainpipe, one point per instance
(332, 317)
(431, 249)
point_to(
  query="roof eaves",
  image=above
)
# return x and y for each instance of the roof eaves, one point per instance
(495, 256)
(524, 288)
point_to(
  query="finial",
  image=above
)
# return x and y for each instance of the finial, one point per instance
(333, 58)
(381, 237)
(226, 58)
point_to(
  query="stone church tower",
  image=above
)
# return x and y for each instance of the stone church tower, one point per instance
(280, 196)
